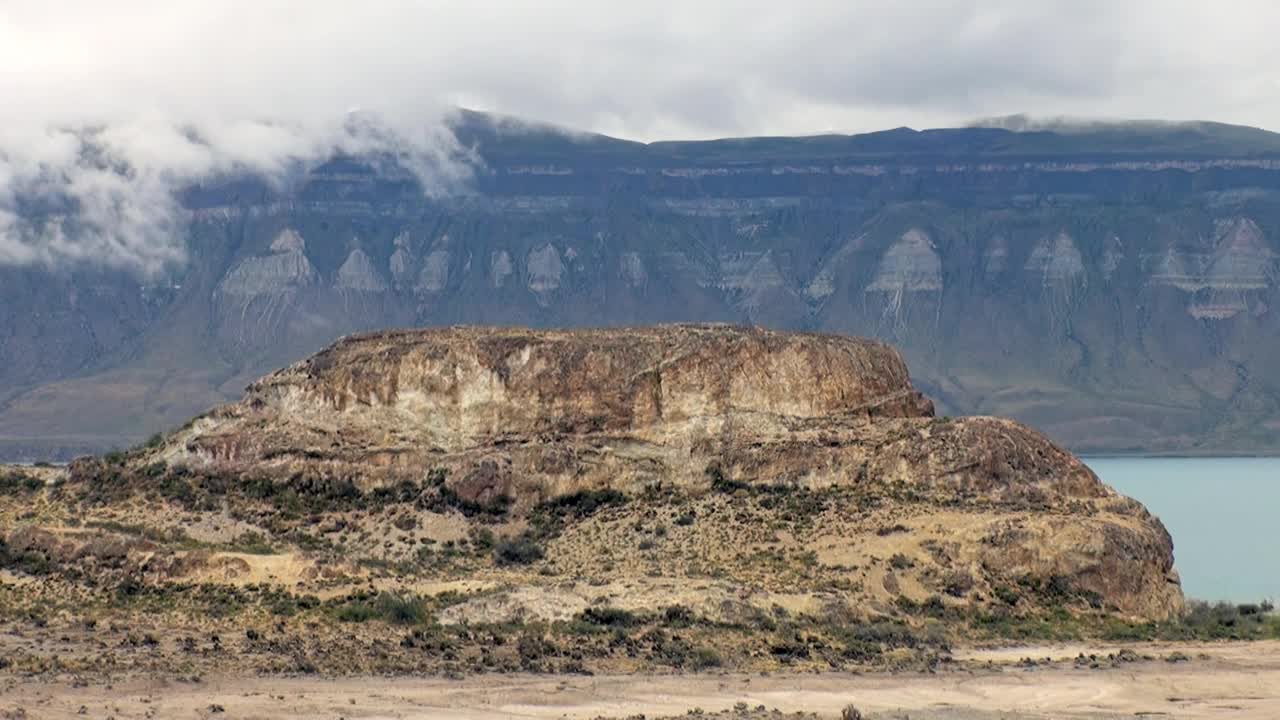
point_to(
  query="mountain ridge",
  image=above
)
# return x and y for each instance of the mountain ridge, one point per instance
(1010, 134)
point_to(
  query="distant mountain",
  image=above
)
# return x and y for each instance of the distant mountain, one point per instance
(509, 138)
(1111, 283)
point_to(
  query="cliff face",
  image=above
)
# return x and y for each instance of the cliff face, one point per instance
(1114, 289)
(456, 389)
(519, 419)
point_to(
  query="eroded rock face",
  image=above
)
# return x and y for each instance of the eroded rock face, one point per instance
(631, 267)
(544, 267)
(284, 270)
(435, 272)
(258, 297)
(1056, 260)
(1241, 259)
(1224, 279)
(402, 261)
(524, 417)
(996, 257)
(499, 268)
(463, 389)
(359, 274)
(910, 265)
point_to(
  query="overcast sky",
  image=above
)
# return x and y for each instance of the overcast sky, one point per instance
(182, 89)
(651, 69)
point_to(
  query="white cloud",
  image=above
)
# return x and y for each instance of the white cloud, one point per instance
(655, 69)
(106, 193)
(267, 83)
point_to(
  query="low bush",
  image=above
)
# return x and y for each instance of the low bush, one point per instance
(678, 616)
(520, 550)
(721, 482)
(549, 518)
(611, 617)
(704, 658)
(17, 481)
(387, 607)
(1006, 595)
(30, 562)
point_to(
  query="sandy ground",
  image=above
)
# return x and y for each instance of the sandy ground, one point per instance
(1230, 680)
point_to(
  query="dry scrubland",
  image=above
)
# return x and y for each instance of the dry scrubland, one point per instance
(1187, 681)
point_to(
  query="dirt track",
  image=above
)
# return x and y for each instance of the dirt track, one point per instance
(1235, 680)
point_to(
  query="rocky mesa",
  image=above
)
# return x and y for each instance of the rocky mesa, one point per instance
(755, 489)
(522, 418)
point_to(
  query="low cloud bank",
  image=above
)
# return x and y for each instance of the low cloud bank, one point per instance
(107, 196)
(142, 96)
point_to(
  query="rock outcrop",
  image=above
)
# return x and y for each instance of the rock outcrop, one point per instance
(518, 419)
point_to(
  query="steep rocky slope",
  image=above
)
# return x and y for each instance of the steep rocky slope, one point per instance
(773, 497)
(558, 411)
(1112, 286)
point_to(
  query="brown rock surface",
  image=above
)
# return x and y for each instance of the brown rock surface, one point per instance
(527, 416)
(382, 404)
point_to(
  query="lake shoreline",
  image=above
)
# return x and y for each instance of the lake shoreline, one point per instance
(1219, 511)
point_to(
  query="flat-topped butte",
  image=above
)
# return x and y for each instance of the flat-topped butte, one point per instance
(727, 481)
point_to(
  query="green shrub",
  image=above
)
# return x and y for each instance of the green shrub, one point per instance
(495, 508)
(1006, 595)
(585, 502)
(482, 539)
(532, 649)
(30, 562)
(388, 607)
(892, 529)
(901, 562)
(610, 617)
(401, 610)
(677, 616)
(721, 482)
(704, 658)
(888, 633)
(520, 550)
(357, 612)
(253, 543)
(13, 481)
(549, 518)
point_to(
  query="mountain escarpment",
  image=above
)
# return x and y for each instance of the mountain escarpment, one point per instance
(1113, 288)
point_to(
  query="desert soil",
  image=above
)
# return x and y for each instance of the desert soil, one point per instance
(1226, 680)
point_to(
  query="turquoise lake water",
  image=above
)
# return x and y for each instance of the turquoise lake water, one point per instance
(1223, 514)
